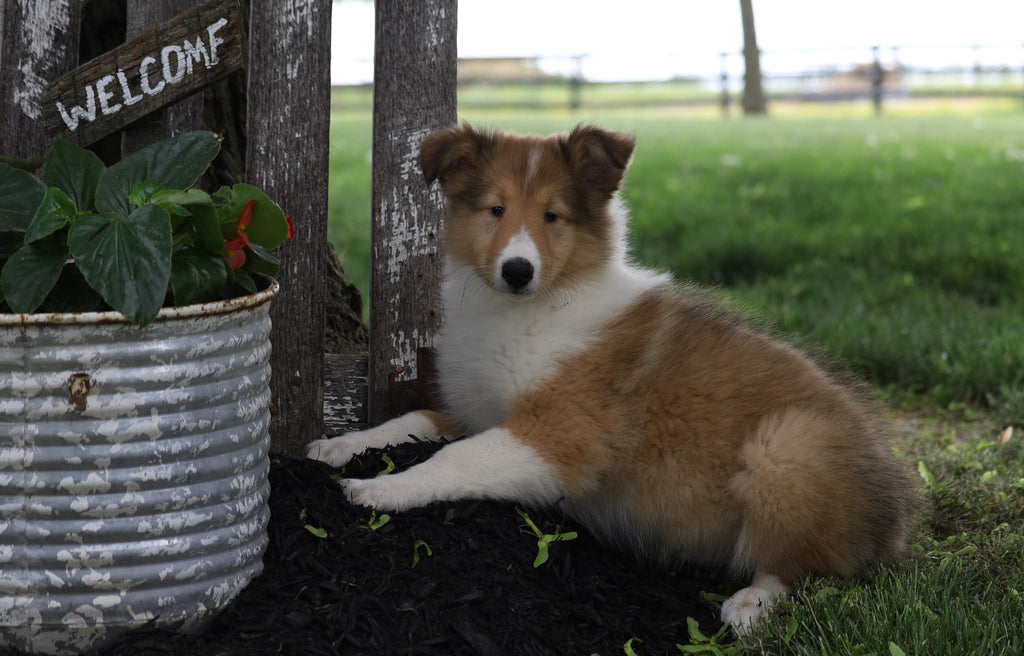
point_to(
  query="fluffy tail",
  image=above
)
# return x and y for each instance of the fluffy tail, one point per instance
(820, 496)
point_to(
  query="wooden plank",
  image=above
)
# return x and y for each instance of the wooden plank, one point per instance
(159, 67)
(344, 393)
(38, 43)
(414, 94)
(182, 116)
(287, 155)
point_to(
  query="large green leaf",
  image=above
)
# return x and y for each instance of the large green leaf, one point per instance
(197, 276)
(56, 211)
(20, 195)
(174, 163)
(126, 259)
(75, 171)
(72, 294)
(200, 211)
(9, 242)
(31, 273)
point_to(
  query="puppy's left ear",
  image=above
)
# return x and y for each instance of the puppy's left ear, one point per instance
(601, 156)
(444, 151)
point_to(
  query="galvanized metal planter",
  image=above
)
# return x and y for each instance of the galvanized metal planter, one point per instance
(133, 469)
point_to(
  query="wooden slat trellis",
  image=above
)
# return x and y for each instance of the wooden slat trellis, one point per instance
(288, 127)
(286, 143)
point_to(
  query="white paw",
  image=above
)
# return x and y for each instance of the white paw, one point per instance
(389, 493)
(747, 608)
(337, 451)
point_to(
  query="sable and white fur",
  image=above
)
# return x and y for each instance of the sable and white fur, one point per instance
(647, 412)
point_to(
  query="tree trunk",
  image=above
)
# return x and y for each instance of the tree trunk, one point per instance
(414, 94)
(753, 92)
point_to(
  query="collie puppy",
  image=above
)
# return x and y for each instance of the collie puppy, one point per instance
(647, 412)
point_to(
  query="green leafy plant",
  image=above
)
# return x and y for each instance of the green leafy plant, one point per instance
(134, 236)
(714, 645)
(389, 465)
(376, 522)
(544, 539)
(418, 546)
(314, 530)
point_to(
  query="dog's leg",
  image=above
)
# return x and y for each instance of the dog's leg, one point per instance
(490, 465)
(424, 424)
(745, 609)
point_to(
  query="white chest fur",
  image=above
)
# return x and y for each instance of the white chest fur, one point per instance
(496, 346)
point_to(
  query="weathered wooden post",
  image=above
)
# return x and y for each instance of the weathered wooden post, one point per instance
(33, 53)
(414, 94)
(287, 155)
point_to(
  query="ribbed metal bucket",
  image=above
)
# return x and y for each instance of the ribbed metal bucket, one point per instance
(133, 469)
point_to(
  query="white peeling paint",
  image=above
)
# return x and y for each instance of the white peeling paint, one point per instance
(407, 238)
(40, 21)
(106, 601)
(298, 14)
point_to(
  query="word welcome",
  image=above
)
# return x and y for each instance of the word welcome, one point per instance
(159, 67)
(176, 62)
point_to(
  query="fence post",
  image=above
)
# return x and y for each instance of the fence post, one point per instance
(288, 133)
(877, 81)
(576, 85)
(415, 64)
(34, 53)
(724, 77)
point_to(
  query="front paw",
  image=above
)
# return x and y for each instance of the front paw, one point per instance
(386, 493)
(336, 451)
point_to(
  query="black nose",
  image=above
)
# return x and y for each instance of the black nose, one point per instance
(517, 272)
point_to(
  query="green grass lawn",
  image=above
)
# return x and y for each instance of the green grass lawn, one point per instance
(896, 243)
(893, 244)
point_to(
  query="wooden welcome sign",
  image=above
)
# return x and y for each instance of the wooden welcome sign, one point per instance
(153, 70)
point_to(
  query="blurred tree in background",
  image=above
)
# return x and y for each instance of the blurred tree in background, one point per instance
(753, 93)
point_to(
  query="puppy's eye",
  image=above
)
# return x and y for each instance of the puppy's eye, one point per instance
(498, 211)
(550, 217)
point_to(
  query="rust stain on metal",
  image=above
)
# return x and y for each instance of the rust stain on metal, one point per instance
(79, 385)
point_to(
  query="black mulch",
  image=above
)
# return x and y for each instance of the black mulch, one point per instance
(451, 579)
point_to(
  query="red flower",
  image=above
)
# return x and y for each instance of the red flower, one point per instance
(291, 227)
(236, 247)
(235, 253)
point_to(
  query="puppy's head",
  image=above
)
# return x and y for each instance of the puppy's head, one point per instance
(529, 214)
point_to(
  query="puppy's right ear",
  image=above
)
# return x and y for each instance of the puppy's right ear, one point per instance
(445, 151)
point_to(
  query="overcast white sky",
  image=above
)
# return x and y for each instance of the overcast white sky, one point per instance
(653, 39)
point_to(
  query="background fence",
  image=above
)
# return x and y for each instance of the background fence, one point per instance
(877, 74)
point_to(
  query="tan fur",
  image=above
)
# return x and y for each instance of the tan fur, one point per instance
(529, 179)
(685, 434)
(678, 431)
